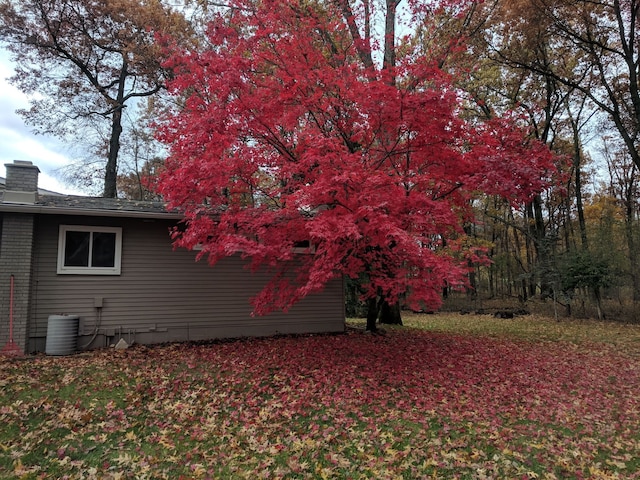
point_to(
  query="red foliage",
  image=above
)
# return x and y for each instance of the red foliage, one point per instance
(286, 137)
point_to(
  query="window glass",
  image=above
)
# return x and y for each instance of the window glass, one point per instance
(76, 251)
(103, 253)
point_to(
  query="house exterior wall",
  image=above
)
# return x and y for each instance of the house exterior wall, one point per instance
(161, 294)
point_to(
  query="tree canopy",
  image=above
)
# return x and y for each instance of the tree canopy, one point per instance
(289, 134)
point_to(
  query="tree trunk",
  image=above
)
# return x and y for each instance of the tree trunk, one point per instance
(629, 221)
(373, 307)
(582, 224)
(598, 299)
(541, 260)
(577, 169)
(633, 253)
(529, 245)
(472, 289)
(111, 170)
(389, 58)
(542, 248)
(364, 53)
(390, 314)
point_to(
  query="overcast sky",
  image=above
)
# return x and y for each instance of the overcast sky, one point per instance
(18, 143)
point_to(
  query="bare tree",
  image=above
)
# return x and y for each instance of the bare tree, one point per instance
(82, 60)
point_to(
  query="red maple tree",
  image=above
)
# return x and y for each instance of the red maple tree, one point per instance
(291, 135)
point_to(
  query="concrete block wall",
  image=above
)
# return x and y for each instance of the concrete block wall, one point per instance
(16, 258)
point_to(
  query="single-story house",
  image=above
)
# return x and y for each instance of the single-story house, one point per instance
(111, 263)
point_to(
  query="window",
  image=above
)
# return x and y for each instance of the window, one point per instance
(304, 246)
(89, 250)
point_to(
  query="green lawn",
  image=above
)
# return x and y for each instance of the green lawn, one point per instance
(450, 396)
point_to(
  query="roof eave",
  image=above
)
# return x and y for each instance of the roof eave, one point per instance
(86, 212)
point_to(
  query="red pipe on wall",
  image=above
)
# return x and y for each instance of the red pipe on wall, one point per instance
(11, 308)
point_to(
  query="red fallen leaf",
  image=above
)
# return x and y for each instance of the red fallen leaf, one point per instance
(317, 399)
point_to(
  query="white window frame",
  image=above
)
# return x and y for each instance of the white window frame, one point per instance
(62, 238)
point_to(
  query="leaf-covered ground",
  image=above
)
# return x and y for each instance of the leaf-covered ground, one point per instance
(487, 401)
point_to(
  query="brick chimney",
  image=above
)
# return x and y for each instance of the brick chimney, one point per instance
(16, 252)
(21, 183)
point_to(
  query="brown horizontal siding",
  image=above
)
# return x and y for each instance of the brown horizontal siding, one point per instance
(161, 288)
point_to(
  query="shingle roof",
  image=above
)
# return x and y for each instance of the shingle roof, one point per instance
(99, 203)
(97, 206)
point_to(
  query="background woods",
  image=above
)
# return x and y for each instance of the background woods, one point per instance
(571, 68)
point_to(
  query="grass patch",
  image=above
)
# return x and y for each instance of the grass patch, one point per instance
(527, 327)
(449, 397)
